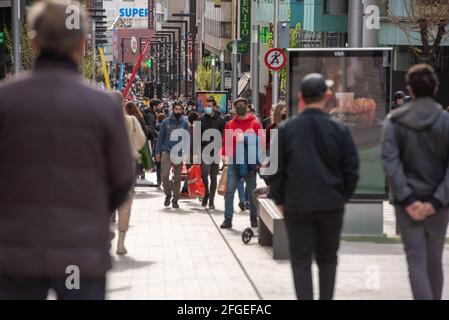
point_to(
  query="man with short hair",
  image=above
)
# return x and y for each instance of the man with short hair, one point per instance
(317, 174)
(247, 135)
(416, 162)
(164, 147)
(211, 120)
(55, 207)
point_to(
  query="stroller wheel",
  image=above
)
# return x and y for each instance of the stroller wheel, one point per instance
(247, 235)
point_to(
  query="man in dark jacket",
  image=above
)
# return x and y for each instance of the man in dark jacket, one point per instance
(317, 174)
(151, 120)
(164, 155)
(65, 166)
(211, 120)
(416, 163)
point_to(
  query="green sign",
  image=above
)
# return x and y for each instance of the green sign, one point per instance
(2, 37)
(242, 46)
(245, 20)
(265, 35)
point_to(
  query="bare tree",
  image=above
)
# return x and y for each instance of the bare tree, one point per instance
(425, 21)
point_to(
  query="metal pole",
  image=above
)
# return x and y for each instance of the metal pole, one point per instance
(93, 51)
(214, 70)
(255, 68)
(16, 28)
(370, 33)
(355, 23)
(193, 32)
(276, 45)
(235, 76)
(222, 70)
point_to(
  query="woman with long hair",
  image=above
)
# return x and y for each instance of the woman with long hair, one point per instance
(137, 139)
(279, 115)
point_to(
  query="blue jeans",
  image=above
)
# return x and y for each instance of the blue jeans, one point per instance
(241, 190)
(232, 184)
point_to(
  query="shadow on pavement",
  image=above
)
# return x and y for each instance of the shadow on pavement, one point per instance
(123, 263)
(145, 195)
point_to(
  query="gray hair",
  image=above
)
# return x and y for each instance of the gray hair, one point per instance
(57, 25)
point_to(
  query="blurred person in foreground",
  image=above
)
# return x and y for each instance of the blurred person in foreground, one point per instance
(416, 162)
(63, 170)
(317, 174)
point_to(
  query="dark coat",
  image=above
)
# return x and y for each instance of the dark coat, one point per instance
(214, 121)
(416, 153)
(65, 166)
(150, 121)
(318, 164)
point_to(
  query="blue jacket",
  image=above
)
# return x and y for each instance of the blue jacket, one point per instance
(167, 127)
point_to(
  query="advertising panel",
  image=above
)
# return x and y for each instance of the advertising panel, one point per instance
(361, 94)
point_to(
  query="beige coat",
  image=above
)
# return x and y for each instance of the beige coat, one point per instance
(137, 138)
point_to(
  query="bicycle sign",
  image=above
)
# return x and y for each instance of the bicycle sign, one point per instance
(275, 59)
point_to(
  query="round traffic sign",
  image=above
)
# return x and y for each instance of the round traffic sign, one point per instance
(275, 59)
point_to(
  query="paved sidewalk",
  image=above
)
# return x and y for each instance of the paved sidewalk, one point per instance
(181, 254)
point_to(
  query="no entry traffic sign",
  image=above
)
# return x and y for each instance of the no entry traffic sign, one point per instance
(275, 59)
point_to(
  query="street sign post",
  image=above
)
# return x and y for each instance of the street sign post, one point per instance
(242, 46)
(275, 59)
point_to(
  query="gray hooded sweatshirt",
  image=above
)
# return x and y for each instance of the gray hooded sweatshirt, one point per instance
(416, 153)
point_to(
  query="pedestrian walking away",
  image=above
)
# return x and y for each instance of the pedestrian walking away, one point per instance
(416, 162)
(55, 207)
(317, 174)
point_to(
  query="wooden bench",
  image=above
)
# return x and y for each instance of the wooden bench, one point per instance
(272, 231)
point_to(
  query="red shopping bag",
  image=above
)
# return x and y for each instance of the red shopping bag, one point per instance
(195, 183)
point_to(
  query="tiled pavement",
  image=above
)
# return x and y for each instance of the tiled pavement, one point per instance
(181, 254)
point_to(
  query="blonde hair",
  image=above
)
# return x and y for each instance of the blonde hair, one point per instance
(276, 116)
(57, 25)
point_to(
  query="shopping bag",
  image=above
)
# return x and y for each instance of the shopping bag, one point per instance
(195, 184)
(145, 157)
(221, 189)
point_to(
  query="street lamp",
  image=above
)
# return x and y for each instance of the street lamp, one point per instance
(192, 21)
(186, 45)
(178, 57)
(173, 64)
(165, 57)
(222, 70)
(214, 85)
(169, 48)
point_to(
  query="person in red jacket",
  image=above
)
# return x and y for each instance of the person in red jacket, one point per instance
(246, 134)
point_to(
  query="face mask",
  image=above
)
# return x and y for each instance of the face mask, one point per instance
(208, 110)
(177, 115)
(241, 111)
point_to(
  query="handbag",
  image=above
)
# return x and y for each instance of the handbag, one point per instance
(145, 157)
(222, 184)
(195, 185)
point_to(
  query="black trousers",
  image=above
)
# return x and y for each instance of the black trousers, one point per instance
(314, 236)
(36, 288)
(212, 171)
